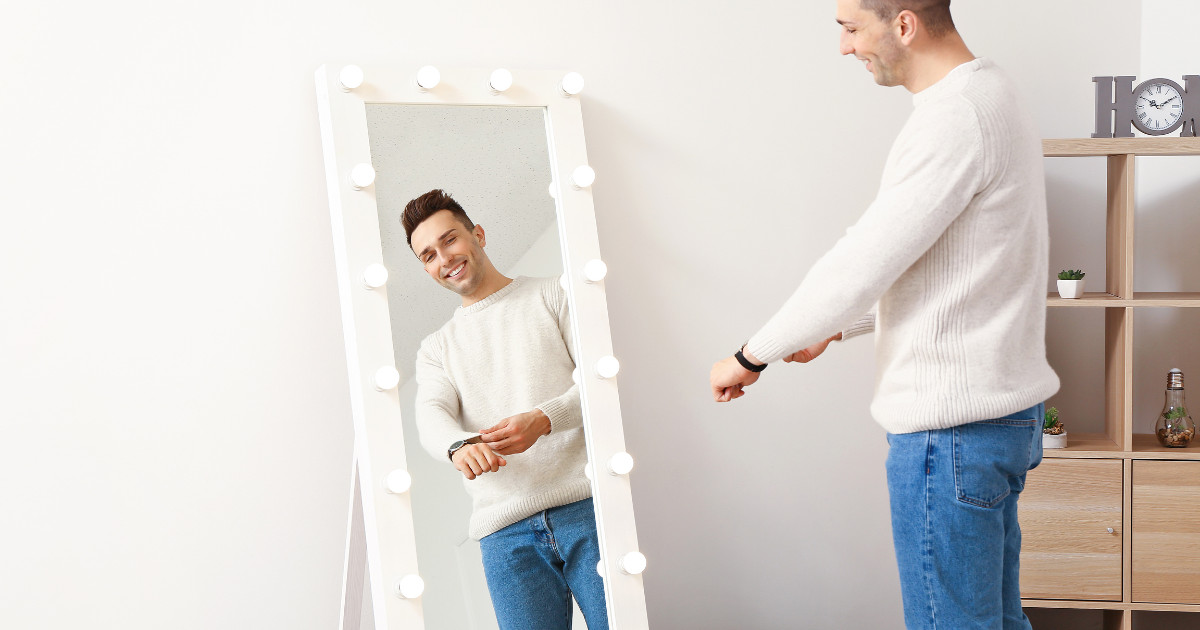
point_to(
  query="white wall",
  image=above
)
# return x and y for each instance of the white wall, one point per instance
(176, 441)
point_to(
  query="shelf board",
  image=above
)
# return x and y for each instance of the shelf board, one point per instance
(1085, 445)
(1068, 147)
(1141, 299)
(1146, 446)
(1098, 605)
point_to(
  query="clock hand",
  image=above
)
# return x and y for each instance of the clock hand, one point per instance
(1168, 101)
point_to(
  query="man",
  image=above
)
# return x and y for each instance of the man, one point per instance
(495, 398)
(953, 254)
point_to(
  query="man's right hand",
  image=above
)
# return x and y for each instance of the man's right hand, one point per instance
(811, 352)
(475, 459)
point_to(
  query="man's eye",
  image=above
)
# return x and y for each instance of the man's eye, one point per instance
(450, 240)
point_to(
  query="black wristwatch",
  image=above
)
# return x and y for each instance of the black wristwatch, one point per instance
(741, 358)
(455, 447)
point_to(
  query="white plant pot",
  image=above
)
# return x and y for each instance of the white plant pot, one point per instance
(1054, 441)
(1070, 288)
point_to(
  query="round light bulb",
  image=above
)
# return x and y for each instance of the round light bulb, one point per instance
(575, 376)
(572, 83)
(620, 464)
(350, 77)
(595, 270)
(398, 481)
(633, 563)
(607, 367)
(386, 377)
(587, 471)
(500, 80)
(410, 587)
(562, 281)
(553, 190)
(583, 176)
(375, 276)
(428, 77)
(362, 175)
(600, 569)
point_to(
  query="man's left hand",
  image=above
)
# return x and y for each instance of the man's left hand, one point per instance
(515, 434)
(728, 378)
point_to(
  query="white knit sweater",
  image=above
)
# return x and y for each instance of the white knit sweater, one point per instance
(506, 354)
(954, 251)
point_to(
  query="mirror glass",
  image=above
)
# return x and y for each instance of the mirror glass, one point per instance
(495, 163)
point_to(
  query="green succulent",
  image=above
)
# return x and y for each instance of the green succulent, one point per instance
(1071, 274)
(1176, 413)
(1051, 418)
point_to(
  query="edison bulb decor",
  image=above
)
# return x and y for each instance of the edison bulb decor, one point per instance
(1175, 428)
(428, 77)
(398, 481)
(594, 271)
(572, 83)
(410, 587)
(375, 276)
(500, 80)
(633, 563)
(362, 175)
(620, 464)
(583, 177)
(350, 77)
(607, 367)
(386, 377)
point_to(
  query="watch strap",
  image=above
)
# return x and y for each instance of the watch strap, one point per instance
(741, 358)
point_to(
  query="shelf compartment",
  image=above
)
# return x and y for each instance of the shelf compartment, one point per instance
(1086, 446)
(1166, 532)
(1146, 446)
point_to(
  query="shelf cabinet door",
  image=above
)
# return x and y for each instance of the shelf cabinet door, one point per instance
(1166, 532)
(1066, 512)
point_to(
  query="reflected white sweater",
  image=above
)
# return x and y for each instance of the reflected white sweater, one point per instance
(954, 251)
(506, 354)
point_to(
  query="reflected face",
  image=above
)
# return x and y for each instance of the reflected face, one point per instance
(453, 255)
(872, 41)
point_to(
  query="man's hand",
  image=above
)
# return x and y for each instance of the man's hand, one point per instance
(728, 377)
(475, 459)
(811, 352)
(515, 434)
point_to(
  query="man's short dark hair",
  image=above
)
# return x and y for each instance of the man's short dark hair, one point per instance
(426, 206)
(934, 14)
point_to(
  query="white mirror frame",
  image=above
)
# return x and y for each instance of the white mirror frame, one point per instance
(366, 323)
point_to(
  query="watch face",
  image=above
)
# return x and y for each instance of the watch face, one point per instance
(1159, 107)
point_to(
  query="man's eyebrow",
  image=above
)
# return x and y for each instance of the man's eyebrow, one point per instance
(844, 22)
(439, 239)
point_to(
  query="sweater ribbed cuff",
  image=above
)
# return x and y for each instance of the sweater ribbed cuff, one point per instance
(861, 327)
(562, 413)
(765, 350)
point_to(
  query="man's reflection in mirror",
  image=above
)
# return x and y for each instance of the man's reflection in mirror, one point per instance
(496, 400)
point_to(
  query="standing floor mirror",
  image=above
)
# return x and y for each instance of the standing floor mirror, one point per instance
(509, 147)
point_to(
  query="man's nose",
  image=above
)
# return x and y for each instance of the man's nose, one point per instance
(844, 45)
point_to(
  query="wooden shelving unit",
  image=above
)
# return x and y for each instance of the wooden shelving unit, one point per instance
(1084, 542)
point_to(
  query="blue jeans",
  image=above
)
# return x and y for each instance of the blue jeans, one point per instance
(536, 565)
(954, 520)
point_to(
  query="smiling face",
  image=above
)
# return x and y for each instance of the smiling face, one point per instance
(452, 254)
(872, 41)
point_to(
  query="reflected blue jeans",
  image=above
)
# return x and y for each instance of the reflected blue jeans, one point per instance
(536, 565)
(954, 520)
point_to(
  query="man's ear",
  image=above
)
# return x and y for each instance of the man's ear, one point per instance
(479, 235)
(906, 24)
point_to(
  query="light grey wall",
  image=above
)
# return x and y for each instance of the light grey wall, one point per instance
(176, 436)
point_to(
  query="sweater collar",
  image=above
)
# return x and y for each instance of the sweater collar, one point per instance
(463, 311)
(952, 83)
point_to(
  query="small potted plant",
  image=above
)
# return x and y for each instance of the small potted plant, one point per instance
(1054, 433)
(1070, 283)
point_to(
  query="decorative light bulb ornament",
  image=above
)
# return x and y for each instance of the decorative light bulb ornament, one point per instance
(428, 77)
(386, 377)
(620, 464)
(350, 77)
(595, 271)
(607, 367)
(633, 563)
(398, 481)
(500, 80)
(410, 586)
(375, 276)
(583, 177)
(1174, 427)
(361, 176)
(572, 83)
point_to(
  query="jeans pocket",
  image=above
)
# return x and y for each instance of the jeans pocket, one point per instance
(991, 458)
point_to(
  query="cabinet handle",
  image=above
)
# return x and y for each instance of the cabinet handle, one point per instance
(1111, 530)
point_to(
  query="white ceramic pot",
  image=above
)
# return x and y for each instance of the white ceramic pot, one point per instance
(1070, 288)
(1054, 441)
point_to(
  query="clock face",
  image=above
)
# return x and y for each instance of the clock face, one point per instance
(1159, 107)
